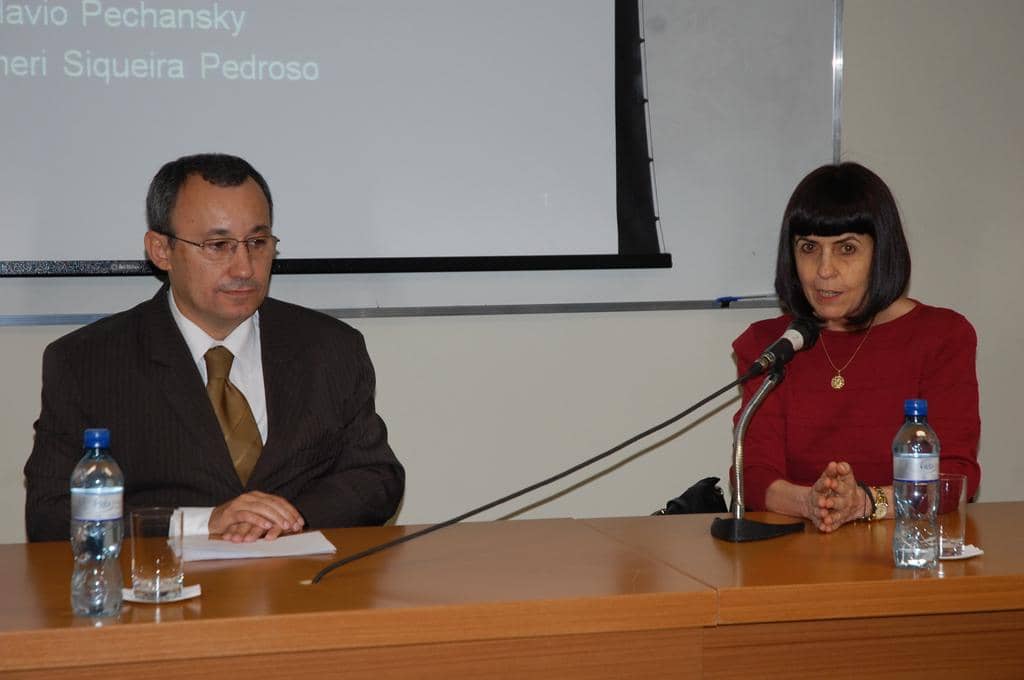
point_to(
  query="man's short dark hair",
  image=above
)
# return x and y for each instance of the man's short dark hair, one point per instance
(840, 199)
(216, 168)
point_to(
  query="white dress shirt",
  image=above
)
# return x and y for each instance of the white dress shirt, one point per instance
(246, 375)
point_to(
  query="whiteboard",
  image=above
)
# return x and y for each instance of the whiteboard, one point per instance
(740, 109)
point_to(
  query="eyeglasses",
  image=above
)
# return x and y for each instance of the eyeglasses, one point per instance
(223, 249)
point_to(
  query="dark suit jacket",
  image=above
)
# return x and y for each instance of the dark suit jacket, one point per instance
(326, 452)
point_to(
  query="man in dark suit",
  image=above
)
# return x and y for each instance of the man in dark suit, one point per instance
(315, 452)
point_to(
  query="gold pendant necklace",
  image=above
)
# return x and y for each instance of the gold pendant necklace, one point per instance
(838, 381)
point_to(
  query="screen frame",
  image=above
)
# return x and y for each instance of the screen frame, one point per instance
(637, 220)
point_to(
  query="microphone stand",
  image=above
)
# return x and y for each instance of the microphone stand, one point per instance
(738, 529)
(720, 529)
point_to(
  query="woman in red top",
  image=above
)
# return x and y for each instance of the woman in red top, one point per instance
(819, 446)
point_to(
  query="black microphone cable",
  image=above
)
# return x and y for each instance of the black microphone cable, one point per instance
(533, 487)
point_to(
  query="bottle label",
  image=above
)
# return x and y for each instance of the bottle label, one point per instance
(915, 469)
(96, 505)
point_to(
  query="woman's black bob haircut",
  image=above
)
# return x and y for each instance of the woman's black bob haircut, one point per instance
(841, 199)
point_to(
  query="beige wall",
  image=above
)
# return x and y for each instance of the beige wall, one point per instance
(478, 406)
(933, 102)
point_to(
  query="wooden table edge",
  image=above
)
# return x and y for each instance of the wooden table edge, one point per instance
(338, 630)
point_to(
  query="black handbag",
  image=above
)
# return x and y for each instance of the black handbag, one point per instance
(704, 496)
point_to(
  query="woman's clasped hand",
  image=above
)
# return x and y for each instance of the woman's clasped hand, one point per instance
(835, 498)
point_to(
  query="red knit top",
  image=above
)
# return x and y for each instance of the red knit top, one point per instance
(928, 353)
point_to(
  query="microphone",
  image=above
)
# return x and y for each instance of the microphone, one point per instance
(801, 334)
(533, 487)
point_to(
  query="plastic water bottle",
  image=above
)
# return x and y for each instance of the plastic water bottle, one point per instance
(915, 484)
(97, 490)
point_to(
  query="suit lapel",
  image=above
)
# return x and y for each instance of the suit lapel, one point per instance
(176, 376)
(283, 384)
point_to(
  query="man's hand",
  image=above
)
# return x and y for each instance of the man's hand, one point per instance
(255, 515)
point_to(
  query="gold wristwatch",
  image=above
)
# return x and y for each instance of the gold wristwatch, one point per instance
(881, 504)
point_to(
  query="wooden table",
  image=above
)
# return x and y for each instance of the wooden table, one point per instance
(834, 604)
(641, 597)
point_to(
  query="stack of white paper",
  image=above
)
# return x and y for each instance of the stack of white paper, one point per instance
(309, 543)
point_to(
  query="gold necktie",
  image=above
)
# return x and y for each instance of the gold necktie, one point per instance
(233, 413)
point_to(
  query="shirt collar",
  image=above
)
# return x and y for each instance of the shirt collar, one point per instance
(243, 342)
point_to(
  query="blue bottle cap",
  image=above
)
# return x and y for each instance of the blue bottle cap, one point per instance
(97, 438)
(915, 407)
